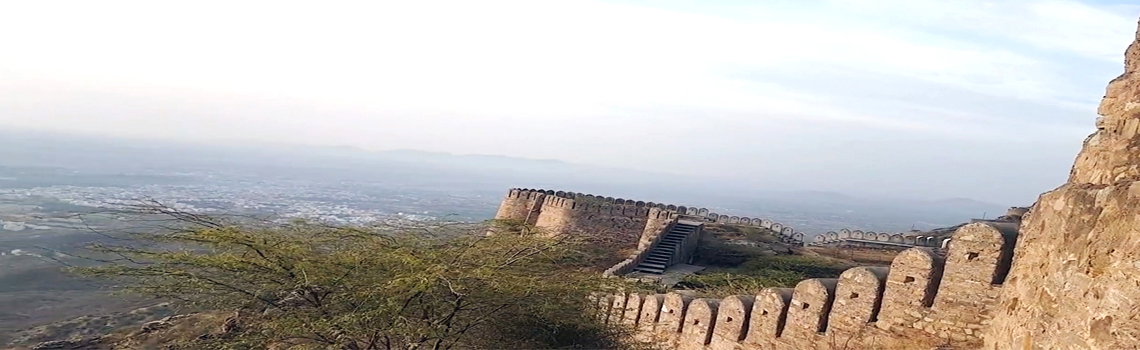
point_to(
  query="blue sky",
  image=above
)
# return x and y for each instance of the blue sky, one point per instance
(909, 98)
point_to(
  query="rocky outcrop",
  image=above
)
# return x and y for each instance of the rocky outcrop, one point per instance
(178, 331)
(1075, 283)
(92, 343)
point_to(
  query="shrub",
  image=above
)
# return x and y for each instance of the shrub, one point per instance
(318, 286)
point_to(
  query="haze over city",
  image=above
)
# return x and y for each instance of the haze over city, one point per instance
(909, 98)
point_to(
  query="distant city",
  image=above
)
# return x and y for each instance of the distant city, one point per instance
(343, 203)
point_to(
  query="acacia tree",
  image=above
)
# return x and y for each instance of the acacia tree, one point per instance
(316, 286)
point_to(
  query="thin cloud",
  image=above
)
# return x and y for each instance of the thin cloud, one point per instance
(1067, 27)
(610, 83)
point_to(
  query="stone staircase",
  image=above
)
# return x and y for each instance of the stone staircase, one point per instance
(662, 256)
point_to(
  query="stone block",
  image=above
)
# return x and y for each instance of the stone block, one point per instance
(672, 318)
(810, 306)
(912, 283)
(732, 320)
(769, 316)
(700, 318)
(857, 299)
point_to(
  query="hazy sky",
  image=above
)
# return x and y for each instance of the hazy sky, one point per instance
(917, 98)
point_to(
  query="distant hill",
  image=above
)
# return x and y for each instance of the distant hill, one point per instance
(490, 175)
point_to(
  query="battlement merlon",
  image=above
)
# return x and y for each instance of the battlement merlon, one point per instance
(919, 302)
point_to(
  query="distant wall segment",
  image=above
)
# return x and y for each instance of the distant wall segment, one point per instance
(561, 212)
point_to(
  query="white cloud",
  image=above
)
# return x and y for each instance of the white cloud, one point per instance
(1059, 25)
(501, 57)
(597, 82)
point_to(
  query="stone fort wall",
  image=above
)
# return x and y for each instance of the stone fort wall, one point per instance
(560, 212)
(1010, 221)
(557, 213)
(922, 301)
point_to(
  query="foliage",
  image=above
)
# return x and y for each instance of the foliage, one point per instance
(743, 269)
(314, 286)
(811, 267)
(713, 251)
(750, 233)
(761, 272)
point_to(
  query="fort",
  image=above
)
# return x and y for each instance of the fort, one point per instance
(1064, 274)
(924, 299)
(651, 236)
(641, 230)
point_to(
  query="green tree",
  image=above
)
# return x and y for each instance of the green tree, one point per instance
(311, 286)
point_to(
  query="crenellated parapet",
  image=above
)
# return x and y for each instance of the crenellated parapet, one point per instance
(1008, 222)
(628, 228)
(529, 205)
(878, 239)
(921, 301)
(521, 205)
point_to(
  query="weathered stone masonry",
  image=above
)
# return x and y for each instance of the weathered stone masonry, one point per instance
(1075, 283)
(920, 302)
(561, 212)
(629, 228)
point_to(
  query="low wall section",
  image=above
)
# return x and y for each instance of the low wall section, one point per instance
(871, 237)
(1010, 222)
(921, 302)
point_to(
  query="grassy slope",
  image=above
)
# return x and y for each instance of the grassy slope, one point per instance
(744, 260)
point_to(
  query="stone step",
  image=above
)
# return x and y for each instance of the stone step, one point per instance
(649, 270)
(652, 265)
(667, 255)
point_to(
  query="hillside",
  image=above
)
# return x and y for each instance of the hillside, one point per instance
(743, 259)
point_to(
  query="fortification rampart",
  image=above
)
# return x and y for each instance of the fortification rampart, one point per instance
(884, 238)
(559, 211)
(921, 301)
(1009, 222)
(632, 228)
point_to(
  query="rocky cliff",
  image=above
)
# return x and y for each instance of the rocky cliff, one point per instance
(1075, 283)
